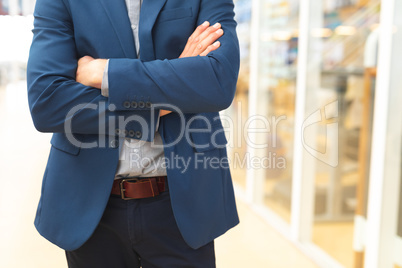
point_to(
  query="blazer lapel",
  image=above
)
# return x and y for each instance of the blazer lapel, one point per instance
(117, 13)
(149, 12)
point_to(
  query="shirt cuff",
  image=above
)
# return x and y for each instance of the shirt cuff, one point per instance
(105, 81)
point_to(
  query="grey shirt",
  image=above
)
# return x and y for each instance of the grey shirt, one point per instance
(137, 158)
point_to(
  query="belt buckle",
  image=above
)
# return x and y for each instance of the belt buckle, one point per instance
(122, 190)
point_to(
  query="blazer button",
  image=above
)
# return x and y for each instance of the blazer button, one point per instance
(141, 104)
(114, 144)
(131, 133)
(117, 131)
(138, 134)
(134, 104)
(126, 104)
(148, 104)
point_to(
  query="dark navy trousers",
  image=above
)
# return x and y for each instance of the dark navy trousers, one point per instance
(139, 233)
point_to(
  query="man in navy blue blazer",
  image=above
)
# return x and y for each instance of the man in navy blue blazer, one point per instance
(167, 79)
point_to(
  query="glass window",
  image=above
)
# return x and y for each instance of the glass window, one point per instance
(278, 50)
(340, 88)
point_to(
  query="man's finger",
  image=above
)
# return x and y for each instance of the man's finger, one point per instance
(211, 48)
(196, 48)
(210, 39)
(85, 59)
(164, 112)
(192, 45)
(201, 28)
(210, 30)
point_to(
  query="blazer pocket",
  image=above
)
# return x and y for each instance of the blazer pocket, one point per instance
(175, 14)
(60, 142)
(205, 141)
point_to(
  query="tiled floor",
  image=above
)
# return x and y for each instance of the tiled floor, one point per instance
(23, 156)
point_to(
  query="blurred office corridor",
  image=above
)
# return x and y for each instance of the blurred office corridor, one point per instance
(23, 158)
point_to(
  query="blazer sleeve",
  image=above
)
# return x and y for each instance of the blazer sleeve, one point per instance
(194, 84)
(57, 102)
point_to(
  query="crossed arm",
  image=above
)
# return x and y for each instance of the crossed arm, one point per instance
(203, 83)
(200, 43)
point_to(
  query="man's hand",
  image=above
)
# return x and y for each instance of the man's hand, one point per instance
(202, 41)
(90, 71)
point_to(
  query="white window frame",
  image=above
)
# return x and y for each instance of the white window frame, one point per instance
(383, 199)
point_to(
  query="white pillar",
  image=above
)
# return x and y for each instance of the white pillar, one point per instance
(385, 167)
(308, 81)
(255, 177)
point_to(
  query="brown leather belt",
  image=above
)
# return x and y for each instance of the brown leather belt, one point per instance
(135, 188)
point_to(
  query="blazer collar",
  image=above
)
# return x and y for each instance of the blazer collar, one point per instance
(150, 10)
(117, 13)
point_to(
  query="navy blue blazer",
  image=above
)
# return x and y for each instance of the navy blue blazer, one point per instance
(84, 153)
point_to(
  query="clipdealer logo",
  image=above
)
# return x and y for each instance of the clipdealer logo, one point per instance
(329, 151)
